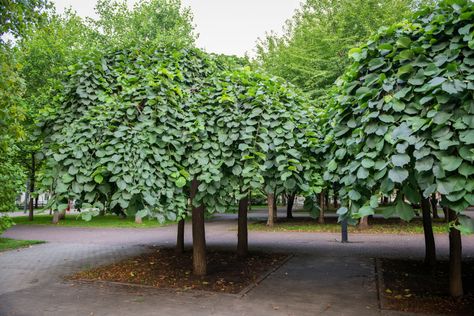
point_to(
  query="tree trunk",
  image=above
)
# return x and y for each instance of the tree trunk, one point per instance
(335, 203)
(62, 215)
(271, 209)
(275, 208)
(32, 187)
(180, 237)
(242, 233)
(138, 220)
(364, 222)
(36, 202)
(446, 214)
(385, 200)
(455, 259)
(55, 217)
(322, 208)
(434, 205)
(326, 199)
(430, 247)
(199, 234)
(27, 196)
(289, 205)
(284, 199)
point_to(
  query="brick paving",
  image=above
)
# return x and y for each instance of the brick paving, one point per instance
(323, 277)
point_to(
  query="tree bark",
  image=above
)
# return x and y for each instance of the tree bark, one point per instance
(430, 247)
(55, 217)
(271, 209)
(434, 205)
(36, 202)
(289, 205)
(326, 199)
(364, 222)
(180, 237)
(335, 203)
(455, 259)
(284, 199)
(138, 220)
(242, 233)
(446, 214)
(32, 187)
(322, 207)
(199, 234)
(275, 208)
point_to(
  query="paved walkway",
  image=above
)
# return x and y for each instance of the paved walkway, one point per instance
(323, 277)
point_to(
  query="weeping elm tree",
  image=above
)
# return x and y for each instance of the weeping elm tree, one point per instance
(141, 131)
(237, 123)
(404, 122)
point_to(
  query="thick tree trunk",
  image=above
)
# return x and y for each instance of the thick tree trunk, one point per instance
(364, 222)
(180, 237)
(284, 199)
(322, 207)
(430, 247)
(289, 205)
(32, 186)
(36, 202)
(199, 234)
(138, 220)
(242, 233)
(62, 215)
(271, 209)
(434, 205)
(455, 259)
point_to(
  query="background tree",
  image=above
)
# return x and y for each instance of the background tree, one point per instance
(16, 15)
(149, 21)
(312, 52)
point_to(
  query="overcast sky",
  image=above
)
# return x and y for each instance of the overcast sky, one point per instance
(224, 26)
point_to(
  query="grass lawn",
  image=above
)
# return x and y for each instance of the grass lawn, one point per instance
(111, 221)
(9, 244)
(376, 226)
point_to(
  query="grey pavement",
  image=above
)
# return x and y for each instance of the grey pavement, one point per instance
(324, 277)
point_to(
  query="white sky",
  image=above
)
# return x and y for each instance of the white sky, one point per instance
(224, 26)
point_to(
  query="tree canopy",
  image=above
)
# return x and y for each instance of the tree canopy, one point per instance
(312, 52)
(402, 119)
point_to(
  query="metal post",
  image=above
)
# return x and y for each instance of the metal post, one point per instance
(344, 230)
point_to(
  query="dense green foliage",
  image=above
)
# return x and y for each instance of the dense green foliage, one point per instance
(34, 67)
(137, 125)
(261, 132)
(16, 15)
(403, 119)
(312, 53)
(116, 141)
(149, 21)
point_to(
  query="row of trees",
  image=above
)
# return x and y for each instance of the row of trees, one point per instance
(154, 123)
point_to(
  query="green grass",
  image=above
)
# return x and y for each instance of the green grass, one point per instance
(376, 226)
(111, 221)
(10, 244)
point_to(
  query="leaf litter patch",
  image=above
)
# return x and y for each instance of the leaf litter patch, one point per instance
(411, 286)
(163, 268)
